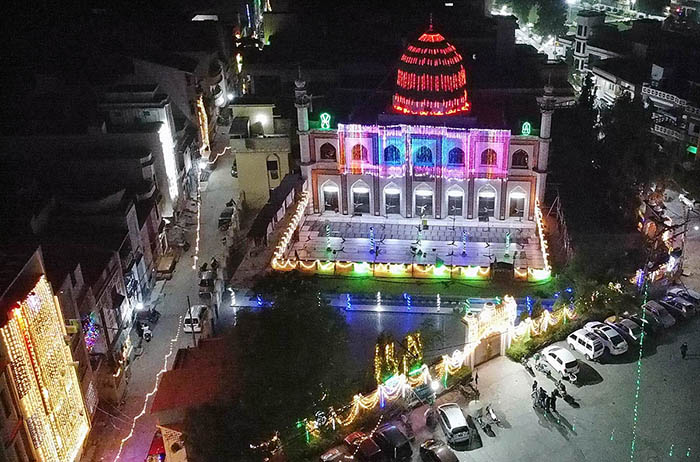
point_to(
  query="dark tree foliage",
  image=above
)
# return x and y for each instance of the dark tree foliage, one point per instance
(551, 17)
(657, 7)
(521, 9)
(292, 358)
(600, 169)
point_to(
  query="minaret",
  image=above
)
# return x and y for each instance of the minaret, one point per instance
(301, 101)
(547, 104)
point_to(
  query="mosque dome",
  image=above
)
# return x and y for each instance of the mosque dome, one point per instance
(431, 79)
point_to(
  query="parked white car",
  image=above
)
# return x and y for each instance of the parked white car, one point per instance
(628, 328)
(586, 343)
(561, 360)
(453, 424)
(612, 340)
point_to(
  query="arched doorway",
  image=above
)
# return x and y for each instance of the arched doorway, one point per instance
(455, 201)
(329, 197)
(423, 198)
(516, 203)
(392, 199)
(360, 198)
(486, 202)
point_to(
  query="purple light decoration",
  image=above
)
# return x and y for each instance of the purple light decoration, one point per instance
(473, 142)
(91, 332)
(372, 247)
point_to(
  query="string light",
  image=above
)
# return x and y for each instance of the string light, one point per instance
(638, 381)
(163, 370)
(41, 366)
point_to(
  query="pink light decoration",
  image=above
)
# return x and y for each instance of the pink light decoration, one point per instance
(471, 141)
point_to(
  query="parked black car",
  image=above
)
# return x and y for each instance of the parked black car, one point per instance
(436, 451)
(393, 442)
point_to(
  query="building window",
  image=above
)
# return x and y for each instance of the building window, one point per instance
(424, 156)
(330, 197)
(516, 204)
(488, 157)
(424, 202)
(519, 159)
(578, 47)
(579, 30)
(455, 157)
(360, 198)
(392, 200)
(392, 155)
(583, 48)
(327, 151)
(455, 202)
(585, 31)
(359, 152)
(273, 168)
(487, 202)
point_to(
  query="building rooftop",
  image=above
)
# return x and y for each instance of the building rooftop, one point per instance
(289, 183)
(173, 60)
(629, 70)
(199, 376)
(13, 259)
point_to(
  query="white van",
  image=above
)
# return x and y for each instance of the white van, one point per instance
(586, 343)
(195, 319)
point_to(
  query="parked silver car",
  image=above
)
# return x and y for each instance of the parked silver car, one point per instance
(454, 424)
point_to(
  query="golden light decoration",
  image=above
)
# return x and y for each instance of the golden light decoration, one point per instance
(501, 318)
(203, 123)
(41, 367)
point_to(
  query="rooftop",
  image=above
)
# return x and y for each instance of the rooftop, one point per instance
(199, 376)
(629, 70)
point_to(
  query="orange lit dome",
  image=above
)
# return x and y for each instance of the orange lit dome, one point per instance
(431, 78)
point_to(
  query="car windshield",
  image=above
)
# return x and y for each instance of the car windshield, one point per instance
(598, 346)
(457, 430)
(616, 339)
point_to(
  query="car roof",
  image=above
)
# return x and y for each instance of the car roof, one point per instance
(561, 352)
(392, 434)
(587, 334)
(454, 414)
(628, 323)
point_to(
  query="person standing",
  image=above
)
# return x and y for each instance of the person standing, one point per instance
(553, 400)
(684, 350)
(534, 386)
(476, 379)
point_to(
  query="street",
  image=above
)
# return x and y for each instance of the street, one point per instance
(112, 425)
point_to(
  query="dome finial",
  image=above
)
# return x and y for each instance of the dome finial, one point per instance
(430, 24)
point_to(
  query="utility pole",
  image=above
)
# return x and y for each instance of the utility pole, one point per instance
(189, 309)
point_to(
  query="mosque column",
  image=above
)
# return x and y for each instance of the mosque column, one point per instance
(504, 191)
(344, 192)
(470, 198)
(438, 179)
(547, 104)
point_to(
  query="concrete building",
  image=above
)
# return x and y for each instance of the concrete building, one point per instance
(647, 61)
(261, 154)
(43, 412)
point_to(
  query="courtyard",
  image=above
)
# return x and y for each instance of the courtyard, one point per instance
(600, 423)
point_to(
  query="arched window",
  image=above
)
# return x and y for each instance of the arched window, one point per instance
(455, 157)
(273, 167)
(392, 199)
(516, 203)
(392, 155)
(424, 156)
(359, 152)
(327, 151)
(489, 157)
(455, 201)
(519, 159)
(424, 201)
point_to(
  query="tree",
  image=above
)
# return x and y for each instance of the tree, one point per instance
(521, 9)
(291, 359)
(551, 18)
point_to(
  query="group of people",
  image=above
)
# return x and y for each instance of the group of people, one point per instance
(546, 401)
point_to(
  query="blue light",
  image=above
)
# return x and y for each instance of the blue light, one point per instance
(348, 304)
(569, 289)
(259, 300)
(407, 298)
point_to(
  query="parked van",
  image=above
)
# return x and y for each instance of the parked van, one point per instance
(195, 319)
(659, 313)
(586, 343)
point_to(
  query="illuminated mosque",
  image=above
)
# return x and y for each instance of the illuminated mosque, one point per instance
(426, 191)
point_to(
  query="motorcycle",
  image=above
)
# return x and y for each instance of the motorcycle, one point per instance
(485, 426)
(562, 390)
(147, 334)
(492, 415)
(151, 315)
(542, 367)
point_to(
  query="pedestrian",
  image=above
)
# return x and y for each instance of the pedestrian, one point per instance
(547, 402)
(553, 400)
(684, 350)
(543, 395)
(476, 379)
(534, 386)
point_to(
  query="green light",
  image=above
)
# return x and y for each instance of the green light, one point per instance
(693, 149)
(670, 452)
(416, 370)
(526, 128)
(325, 121)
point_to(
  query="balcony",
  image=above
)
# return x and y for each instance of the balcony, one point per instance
(667, 132)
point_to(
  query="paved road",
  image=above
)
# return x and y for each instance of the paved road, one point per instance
(601, 425)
